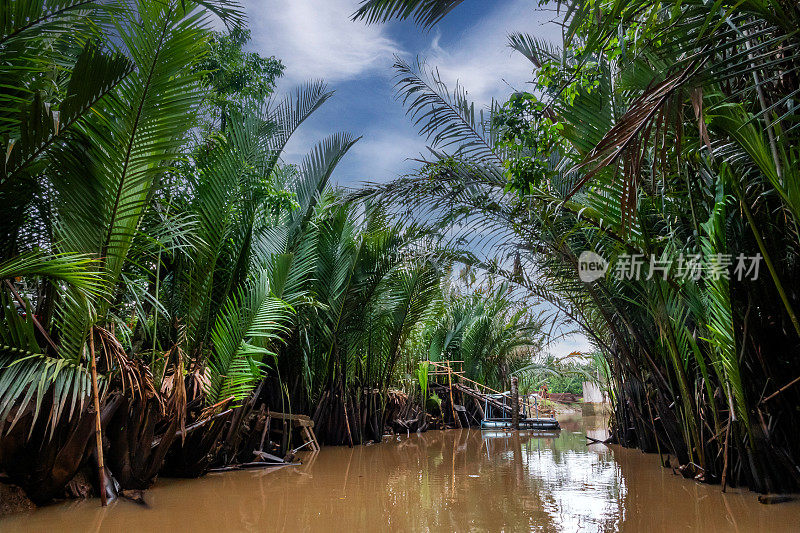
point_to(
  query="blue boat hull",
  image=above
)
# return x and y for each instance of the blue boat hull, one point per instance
(525, 423)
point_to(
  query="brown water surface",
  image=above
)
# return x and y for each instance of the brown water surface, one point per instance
(457, 480)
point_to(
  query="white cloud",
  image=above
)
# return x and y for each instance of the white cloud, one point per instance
(316, 39)
(481, 60)
(385, 154)
(380, 154)
(577, 342)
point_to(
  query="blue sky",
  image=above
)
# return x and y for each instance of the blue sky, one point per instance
(316, 39)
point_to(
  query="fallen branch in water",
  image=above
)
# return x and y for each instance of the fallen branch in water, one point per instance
(250, 466)
(769, 499)
(135, 496)
(268, 457)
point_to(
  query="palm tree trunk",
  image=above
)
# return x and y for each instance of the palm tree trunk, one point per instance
(101, 472)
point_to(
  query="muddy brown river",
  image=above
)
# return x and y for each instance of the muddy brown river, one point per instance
(456, 480)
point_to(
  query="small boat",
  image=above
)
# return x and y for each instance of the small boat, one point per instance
(501, 404)
(524, 423)
(525, 434)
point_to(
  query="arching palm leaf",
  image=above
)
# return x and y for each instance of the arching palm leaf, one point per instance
(251, 321)
(425, 12)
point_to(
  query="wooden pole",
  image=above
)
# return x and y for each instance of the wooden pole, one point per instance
(452, 404)
(515, 402)
(480, 408)
(347, 419)
(265, 432)
(771, 396)
(101, 471)
(725, 454)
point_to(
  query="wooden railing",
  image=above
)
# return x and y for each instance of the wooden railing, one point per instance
(445, 368)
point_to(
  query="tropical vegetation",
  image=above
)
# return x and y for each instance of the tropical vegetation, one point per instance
(663, 138)
(489, 330)
(167, 276)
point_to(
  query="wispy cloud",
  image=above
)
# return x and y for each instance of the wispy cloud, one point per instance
(577, 342)
(380, 154)
(385, 154)
(480, 59)
(316, 39)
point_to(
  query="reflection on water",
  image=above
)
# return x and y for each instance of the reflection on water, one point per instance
(457, 480)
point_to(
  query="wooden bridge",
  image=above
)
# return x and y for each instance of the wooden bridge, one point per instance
(483, 396)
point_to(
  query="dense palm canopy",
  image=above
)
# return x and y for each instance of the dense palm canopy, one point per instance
(154, 228)
(665, 132)
(493, 333)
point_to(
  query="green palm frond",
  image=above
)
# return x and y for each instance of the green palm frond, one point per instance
(93, 76)
(446, 119)
(426, 13)
(138, 131)
(17, 333)
(21, 18)
(84, 283)
(409, 292)
(314, 174)
(293, 110)
(536, 50)
(105, 174)
(734, 121)
(719, 314)
(77, 270)
(230, 12)
(26, 379)
(251, 321)
(225, 205)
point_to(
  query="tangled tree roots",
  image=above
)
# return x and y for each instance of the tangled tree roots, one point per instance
(192, 455)
(43, 463)
(136, 453)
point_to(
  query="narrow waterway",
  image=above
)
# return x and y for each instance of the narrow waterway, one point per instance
(456, 480)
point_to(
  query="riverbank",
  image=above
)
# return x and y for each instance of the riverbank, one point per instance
(14, 500)
(453, 480)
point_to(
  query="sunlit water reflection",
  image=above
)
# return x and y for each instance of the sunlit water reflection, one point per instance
(457, 480)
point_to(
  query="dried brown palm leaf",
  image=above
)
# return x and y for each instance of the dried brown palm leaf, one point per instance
(217, 408)
(135, 377)
(196, 382)
(630, 136)
(173, 388)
